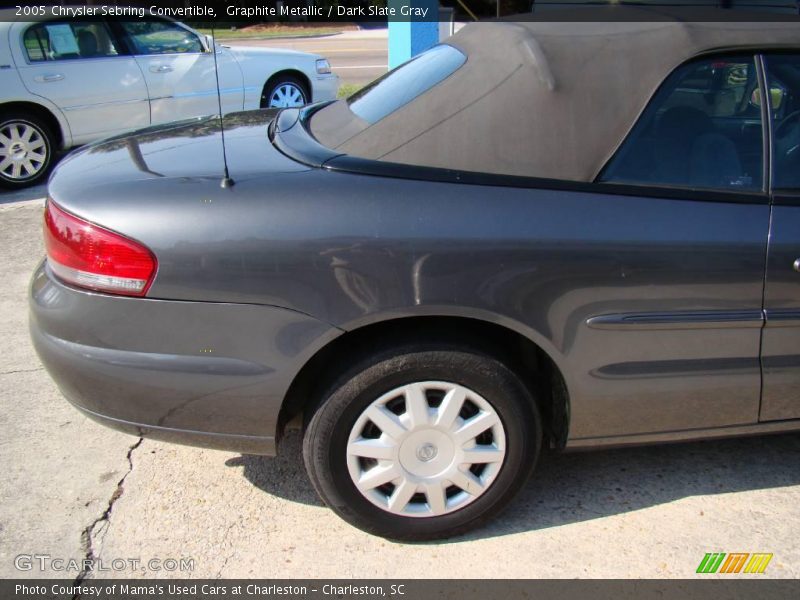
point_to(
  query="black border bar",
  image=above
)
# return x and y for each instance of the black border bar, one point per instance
(242, 12)
(743, 587)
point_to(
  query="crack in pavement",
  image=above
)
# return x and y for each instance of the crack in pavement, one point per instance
(103, 520)
(22, 371)
(224, 564)
(230, 556)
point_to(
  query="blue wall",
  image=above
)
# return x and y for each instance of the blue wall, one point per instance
(409, 38)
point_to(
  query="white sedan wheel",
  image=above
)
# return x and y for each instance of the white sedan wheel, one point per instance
(287, 95)
(24, 151)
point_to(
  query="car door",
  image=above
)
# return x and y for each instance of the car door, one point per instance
(781, 344)
(82, 69)
(675, 341)
(180, 70)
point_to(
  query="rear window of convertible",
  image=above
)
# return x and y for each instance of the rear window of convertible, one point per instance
(401, 85)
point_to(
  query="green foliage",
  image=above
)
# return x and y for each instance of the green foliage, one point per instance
(348, 89)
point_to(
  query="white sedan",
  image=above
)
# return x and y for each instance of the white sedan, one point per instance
(65, 83)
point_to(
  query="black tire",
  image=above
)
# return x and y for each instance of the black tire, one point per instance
(327, 433)
(23, 119)
(278, 81)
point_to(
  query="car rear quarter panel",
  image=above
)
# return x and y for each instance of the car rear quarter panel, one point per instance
(210, 374)
(351, 250)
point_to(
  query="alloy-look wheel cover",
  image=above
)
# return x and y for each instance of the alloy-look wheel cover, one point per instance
(23, 150)
(426, 449)
(287, 95)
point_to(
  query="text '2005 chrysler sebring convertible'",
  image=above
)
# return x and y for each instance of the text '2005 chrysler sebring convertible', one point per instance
(574, 234)
(66, 82)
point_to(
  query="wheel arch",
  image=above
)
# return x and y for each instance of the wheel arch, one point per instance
(288, 72)
(55, 122)
(536, 367)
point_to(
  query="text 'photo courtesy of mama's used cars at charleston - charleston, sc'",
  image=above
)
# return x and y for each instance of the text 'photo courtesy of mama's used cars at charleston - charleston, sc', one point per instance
(497, 245)
(67, 82)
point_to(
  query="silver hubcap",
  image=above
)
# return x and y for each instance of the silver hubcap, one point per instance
(287, 95)
(426, 449)
(23, 151)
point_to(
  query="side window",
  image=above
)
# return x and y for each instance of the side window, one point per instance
(702, 129)
(161, 37)
(68, 41)
(783, 76)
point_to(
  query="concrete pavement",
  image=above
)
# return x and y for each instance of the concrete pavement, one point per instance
(46, 503)
(71, 489)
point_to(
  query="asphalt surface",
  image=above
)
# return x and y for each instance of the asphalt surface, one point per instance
(358, 57)
(72, 489)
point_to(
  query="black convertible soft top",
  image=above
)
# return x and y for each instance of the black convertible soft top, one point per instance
(541, 99)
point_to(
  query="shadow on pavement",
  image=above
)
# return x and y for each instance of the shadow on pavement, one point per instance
(283, 476)
(574, 487)
(31, 193)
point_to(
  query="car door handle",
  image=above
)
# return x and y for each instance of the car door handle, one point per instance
(49, 77)
(160, 69)
(796, 265)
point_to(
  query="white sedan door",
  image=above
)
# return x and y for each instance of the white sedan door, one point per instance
(82, 70)
(180, 71)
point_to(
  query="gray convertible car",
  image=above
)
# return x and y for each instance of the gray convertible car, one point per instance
(572, 234)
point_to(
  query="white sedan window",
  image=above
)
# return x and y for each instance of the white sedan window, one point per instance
(68, 41)
(161, 37)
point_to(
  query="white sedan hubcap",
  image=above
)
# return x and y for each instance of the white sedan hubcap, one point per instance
(426, 449)
(287, 95)
(23, 151)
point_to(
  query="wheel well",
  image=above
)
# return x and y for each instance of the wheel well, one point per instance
(534, 367)
(39, 110)
(292, 73)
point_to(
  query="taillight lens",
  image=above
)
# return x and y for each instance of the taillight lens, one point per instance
(88, 256)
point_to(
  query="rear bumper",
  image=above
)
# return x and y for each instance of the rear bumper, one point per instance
(198, 373)
(246, 444)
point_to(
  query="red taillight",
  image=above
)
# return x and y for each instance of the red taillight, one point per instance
(89, 256)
